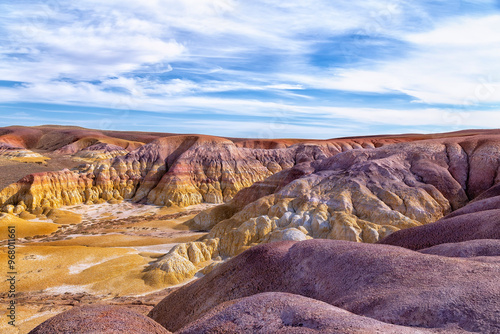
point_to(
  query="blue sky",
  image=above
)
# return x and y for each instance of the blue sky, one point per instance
(267, 69)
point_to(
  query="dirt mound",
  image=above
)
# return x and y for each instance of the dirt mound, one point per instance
(467, 249)
(276, 312)
(470, 226)
(101, 319)
(390, 284)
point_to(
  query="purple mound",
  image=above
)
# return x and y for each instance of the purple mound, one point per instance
(390, 284)
(457, 228)
(277, 312)
(102, 319)
(467, 249)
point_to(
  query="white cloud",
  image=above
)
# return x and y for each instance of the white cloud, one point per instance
(285, 86)
(90, 39)
(88, 46)
(454, 64)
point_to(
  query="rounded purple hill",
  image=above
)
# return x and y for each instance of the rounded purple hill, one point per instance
(390, 284)
(453, 229)
(277, 312)
(102, 319)
(466, 249)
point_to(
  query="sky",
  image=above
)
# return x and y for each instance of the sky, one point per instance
(261, 69)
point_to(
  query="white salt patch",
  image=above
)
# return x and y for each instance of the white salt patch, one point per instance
(38, 220)
(62, 289)
(160, 249)
(102, 211)
(90, 235)
(127, 209)
(35, 257)
(194, 278)
(38, 315)
(79, 267)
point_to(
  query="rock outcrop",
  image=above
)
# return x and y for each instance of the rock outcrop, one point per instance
(478, 220)
(365, 195)
(357, 189)
(181, 170)
(100, 151)
(390, 284)
(20, 154)
(102, 319)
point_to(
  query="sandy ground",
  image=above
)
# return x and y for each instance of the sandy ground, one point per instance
(98, 260)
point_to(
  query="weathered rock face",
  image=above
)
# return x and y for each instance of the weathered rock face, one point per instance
(276, 312)
(103, 319)
(169, 169)
(11, 151)
(181, 170)
(478, 220)
(100, 151)
(360, 189)
(386, 283)
(364, 196)
(99, 142)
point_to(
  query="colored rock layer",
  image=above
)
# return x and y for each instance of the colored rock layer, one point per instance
(358, 195)
(10, 151)
(357, 189)
(181, 170)
(436, 198)
(480, 219)
(100, 151)
(386, 283)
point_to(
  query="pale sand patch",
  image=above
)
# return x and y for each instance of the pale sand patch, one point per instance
(42, 267)
(40, 220)
(121, 210)
(79, 267)
(62, 217)
(175, 224)
(24, 228)
(168, 210)
(66, 288)
(79, 235)
(34, 257)
(119, 240)
(127, 209)
(156, 249)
